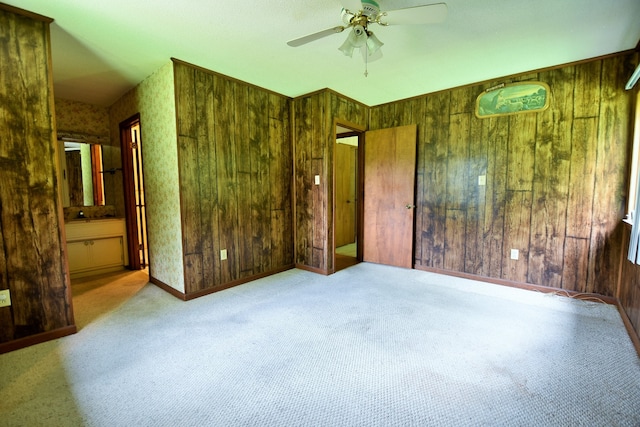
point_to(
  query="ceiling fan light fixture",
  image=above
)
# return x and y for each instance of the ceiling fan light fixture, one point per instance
(373, 43)
(370, 8)
(346, 16)
(347, 48)
(358, 36)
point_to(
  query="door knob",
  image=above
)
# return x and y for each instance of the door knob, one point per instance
(410, 206)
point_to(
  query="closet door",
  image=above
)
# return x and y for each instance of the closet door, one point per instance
(389, 195)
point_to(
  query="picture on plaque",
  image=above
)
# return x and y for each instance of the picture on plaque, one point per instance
(513, 98)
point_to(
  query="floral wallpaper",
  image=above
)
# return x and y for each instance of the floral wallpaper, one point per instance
(78, 117)
(154, 99)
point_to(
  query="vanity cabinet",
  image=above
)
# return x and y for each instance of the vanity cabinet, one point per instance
(96, 246)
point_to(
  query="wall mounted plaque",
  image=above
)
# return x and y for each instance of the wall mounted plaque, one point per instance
(513, 98)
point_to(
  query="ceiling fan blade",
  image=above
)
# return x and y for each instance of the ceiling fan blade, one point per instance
(388, 5)
(352, 5)
(428, 14)
(315, 36)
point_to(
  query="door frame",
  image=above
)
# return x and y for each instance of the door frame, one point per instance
(356, 130)
(131, 217)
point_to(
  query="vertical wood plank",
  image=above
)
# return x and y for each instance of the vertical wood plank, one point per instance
(243, 169)
(188, 156)
(226, 177)
(551, 182)
(458, 161)
(280, 191)
(319, 208)
(587, 93)
(576, 263)
(260, 174)
(455, 239)
(610, 171)
(433, 212)
(304, 195)
(521, 155)
(418, 112)
(278, 242)
(329, 137)
(193, 278)
(190, 207)
(582, 178)
(476, 198)
(516, 235)
(207, 179)
(184, 78)
(463, 100)
(497, 135)
(456, 186)
(280, 109)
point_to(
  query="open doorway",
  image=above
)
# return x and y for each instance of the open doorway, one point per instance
(134, 196)
(348, 200)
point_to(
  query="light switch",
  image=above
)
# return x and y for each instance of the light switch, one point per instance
(515, 254)
(482, 180)
(223, 254)
(317, 179)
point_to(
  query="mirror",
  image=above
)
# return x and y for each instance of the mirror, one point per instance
(82, 174)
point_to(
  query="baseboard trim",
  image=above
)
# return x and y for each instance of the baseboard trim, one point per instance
(233, 283)
(37, 339)
(189, 296)
(527, 286)
(169, 289)
(313, 269)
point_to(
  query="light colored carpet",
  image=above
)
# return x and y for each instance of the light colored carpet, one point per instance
(368, 346)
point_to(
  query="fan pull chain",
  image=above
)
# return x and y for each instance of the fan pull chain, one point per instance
(366, 62)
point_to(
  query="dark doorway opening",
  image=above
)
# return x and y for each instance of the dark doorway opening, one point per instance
(134, 196)
(347, 197)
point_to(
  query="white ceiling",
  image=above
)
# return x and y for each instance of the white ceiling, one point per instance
(101, 49)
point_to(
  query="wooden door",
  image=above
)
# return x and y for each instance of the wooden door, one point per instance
(389, 192)
(346, 168)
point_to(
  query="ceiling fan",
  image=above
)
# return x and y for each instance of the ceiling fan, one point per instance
(358, 15)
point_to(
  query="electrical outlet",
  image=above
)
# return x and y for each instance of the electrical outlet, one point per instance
(223, 254)
(5, 298)
(515, 254)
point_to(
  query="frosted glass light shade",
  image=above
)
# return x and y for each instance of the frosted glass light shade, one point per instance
(347, 48)
(373, 43)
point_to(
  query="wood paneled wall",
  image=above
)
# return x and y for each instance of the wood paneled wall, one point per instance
(235, 166)
(32, 263)
(555, 180)
(314, 138)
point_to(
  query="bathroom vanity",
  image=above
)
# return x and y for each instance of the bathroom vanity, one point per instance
(96, 246)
